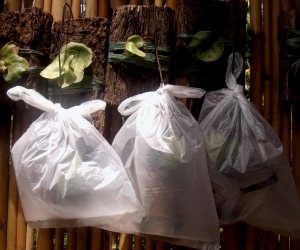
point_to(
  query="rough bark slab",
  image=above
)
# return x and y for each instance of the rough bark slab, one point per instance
(125, 80)
(93, 32)
(228, 21)
(290, 84)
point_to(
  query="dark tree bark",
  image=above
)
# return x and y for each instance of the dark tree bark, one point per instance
(93, 32)
(124, 80)
(228, 21)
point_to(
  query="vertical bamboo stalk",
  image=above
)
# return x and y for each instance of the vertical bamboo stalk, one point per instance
(47, 5)
(276, 104)
(82, 240)
(263, 240)
(59, 239)
(295, 244)
(39, 4)
(273, 241)
(5, 125)
(45, 239)
(149, 244)
(71, 239)
(135, 2)
(267, 59)
(286, 4)
(125, 242)
(96, 234)
(76, 5)
(158, 3)
(57, 8)
(21, 227)
(232, 236)
(172, 4)
(162, 245)
(138, 245)
(91, 8)
(284, 243)
(104, 9)
(256, 52)
(29, 238)
(13, 5)
(251, 238)
(118, 3)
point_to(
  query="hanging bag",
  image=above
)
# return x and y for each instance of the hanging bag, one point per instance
(250, 173)
(162, 150)
(67, 173)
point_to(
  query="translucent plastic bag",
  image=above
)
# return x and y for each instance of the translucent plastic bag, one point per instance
(67, 173)
(162, 149)
(250, 173)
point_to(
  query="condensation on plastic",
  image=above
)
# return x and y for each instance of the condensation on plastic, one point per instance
(67, 173)
(250, 173)
(164, 156)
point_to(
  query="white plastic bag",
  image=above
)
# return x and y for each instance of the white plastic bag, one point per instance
(162, 150)
(67, 173)
(250, 174)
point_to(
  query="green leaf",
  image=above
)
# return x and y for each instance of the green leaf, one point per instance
(75, 57)
(11, 65)
(198, 39)
(137, 40)
(211, 54)
(131, 49)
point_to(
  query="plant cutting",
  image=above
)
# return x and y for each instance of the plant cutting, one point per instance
(133, 45)
(74, 58)
(12, 66)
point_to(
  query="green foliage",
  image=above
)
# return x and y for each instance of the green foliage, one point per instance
(12, 66)
(75, 57)
(205, 46)
(132, 46)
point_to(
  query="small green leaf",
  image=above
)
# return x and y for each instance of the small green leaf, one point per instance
(211, 54)
(198, 39)
(131, 49)
(75, 57)
(137, 40)
(11, 65)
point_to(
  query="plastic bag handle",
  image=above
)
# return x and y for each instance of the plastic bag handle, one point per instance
(31, 97)
(86, 108)
(132, 104)
(238, 91)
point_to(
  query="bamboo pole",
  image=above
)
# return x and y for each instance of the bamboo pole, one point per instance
(149, 244)
(21, 227)
(39, 4)
(135, 2)
(91, 8)
(47, 5)
(162, 245)
(104, 9)
(45, 239)
(57, 8)
(273, 241)
(284, 243)
(71, 238)
(256, 52)
(276, 104)
(231, 237)
(76, 8)
(13, 191)
(295, 244)
(125, 242)
(251, 237)
(287, 4)
(4, 174)
(172, 4)
(82, 239)
(267, 59)
(96, 238)
(158, 3)
(263, 240)
(29, 238)
(13, 5)
(59, 239)
(138, 244)
(118, 3)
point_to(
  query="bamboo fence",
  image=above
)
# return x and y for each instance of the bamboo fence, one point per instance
(265, 93)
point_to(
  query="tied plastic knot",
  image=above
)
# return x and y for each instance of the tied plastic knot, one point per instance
(160, 91)
(238, 90)
(58, 108)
